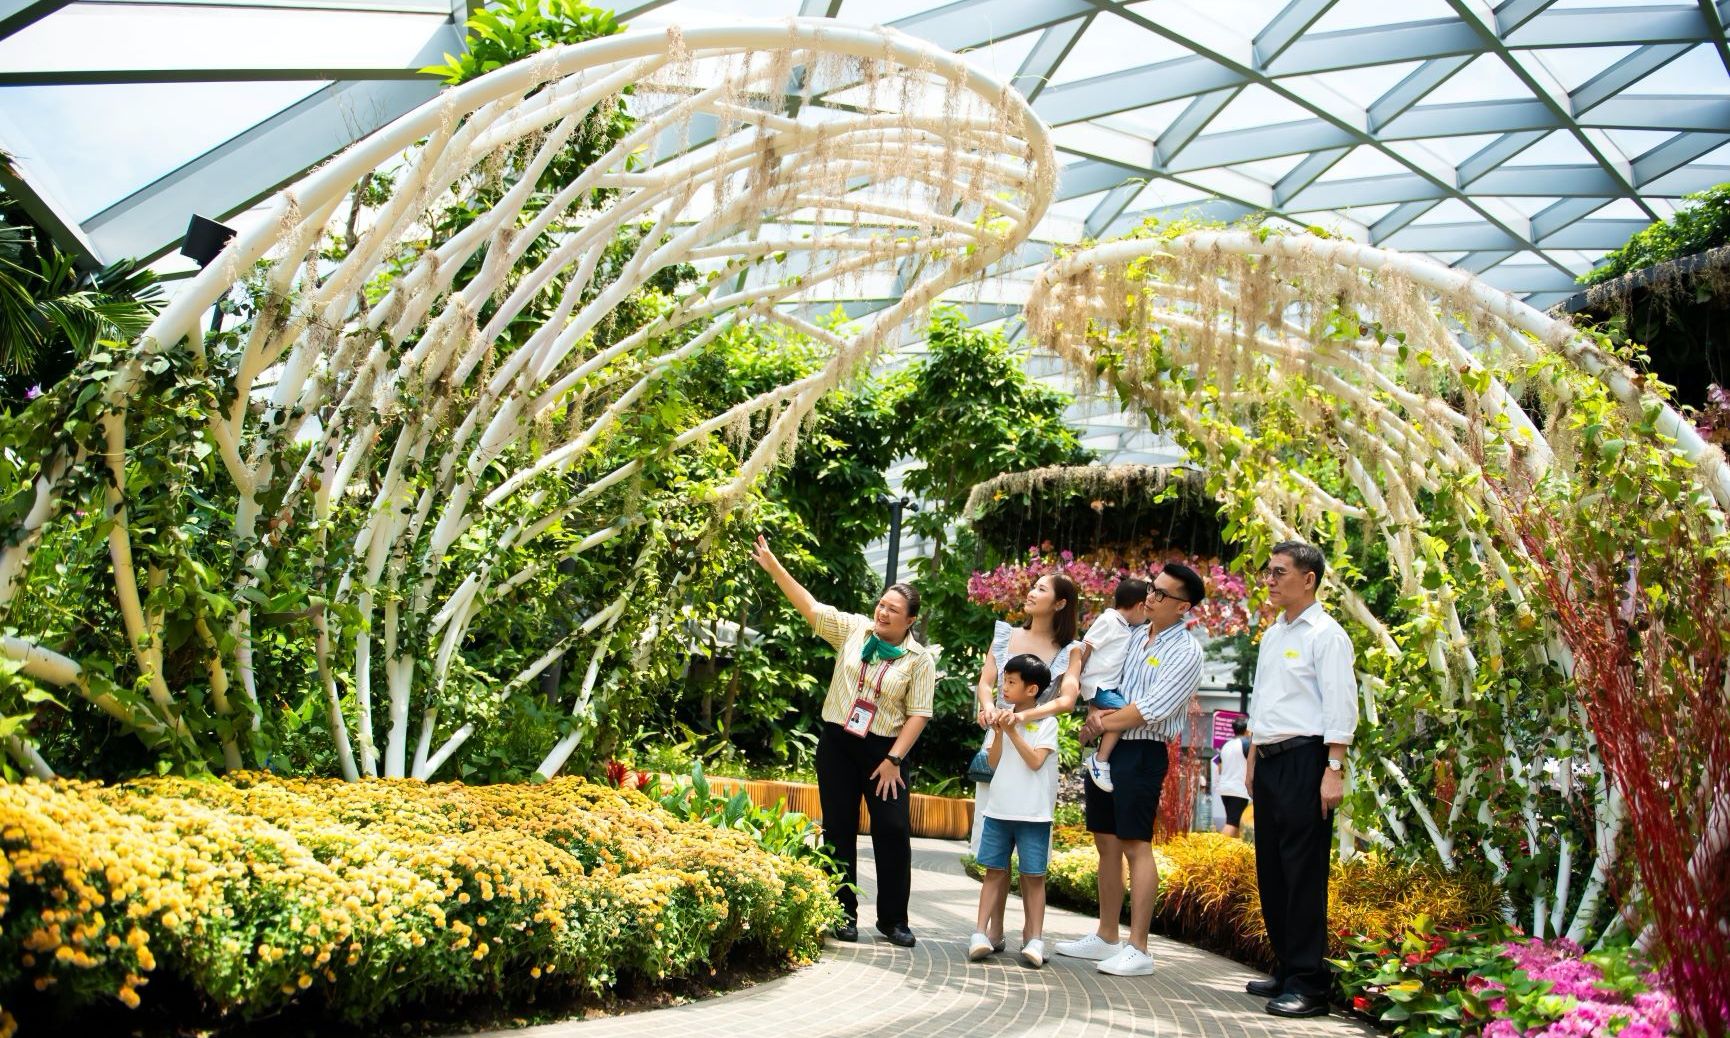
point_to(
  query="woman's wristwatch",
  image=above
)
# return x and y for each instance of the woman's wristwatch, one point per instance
(891, 758)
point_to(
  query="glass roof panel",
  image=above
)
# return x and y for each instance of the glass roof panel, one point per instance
(1112, 44)
(1558, 148)
(128, 135)
(1361, 86)
(1257, 106)
(1363, 161)
(1699, 71)
(1487, 78)
(165, 37)
(1269, 170)
(1573, 66)
(1356, 14)
(1148, 122)
(1004, 58)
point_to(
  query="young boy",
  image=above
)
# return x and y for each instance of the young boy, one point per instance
(1102, 652)
(1018, 815)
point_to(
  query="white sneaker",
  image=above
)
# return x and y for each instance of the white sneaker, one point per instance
(980, 946)
(1130, 962)
(1089, 947)
(1033, 953)
(1099, 771)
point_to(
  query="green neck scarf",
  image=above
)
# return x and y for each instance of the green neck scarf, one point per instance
(878, 649)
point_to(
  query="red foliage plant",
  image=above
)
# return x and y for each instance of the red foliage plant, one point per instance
(1650, 673)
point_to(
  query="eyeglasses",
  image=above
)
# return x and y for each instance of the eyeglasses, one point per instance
(1276, 572)
(1160, 595)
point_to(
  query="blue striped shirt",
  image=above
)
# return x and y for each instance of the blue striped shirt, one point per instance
(1161, 672)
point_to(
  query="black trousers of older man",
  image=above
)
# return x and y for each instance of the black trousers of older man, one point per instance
(1293, 842)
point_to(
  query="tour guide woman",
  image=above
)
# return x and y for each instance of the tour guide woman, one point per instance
(879, 701)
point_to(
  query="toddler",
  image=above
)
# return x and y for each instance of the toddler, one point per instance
(1102, 651)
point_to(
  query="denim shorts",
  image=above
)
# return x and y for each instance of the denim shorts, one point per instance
(1108, 699)
(1031, 842)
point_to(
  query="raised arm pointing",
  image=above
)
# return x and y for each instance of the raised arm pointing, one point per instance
(795, 591)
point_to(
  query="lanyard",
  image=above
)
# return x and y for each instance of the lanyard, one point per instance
(876, 689)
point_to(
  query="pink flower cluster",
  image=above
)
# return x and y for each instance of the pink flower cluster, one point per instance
(1595, 1008)
(1225, 612)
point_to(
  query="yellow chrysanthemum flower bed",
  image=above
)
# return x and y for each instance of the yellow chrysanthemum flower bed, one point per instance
(256, 892)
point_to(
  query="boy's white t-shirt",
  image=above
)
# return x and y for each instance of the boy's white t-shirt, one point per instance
(1018, 793)
(1108, 641)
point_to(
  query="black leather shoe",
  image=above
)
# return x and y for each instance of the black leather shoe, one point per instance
(848, 932)
(898, 934)
(1266, 987)
(1293, 1004)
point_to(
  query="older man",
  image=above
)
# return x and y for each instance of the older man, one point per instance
(1302, 714)
(1161, 672)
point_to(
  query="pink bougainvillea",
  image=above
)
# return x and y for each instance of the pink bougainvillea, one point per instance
(1096, 574)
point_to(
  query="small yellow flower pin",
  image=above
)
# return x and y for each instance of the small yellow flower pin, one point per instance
(1291, 654)
(1153, 661)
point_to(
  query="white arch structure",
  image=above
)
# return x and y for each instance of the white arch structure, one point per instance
(927, 172)
(1202, 330)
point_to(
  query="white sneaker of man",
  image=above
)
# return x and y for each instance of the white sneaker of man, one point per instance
(1130, 962)
(1033, 953)
(1090, 947)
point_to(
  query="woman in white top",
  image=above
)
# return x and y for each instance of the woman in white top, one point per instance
(1051, 608)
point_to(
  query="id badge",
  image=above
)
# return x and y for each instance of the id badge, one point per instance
(859, 718)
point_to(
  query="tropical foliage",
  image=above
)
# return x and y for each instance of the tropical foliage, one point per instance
(1702, 223)
(54, 314)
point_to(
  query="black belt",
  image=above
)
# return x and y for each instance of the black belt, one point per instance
(1274, 749)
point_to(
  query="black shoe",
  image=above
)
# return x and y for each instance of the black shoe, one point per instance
(1266, 987)
(898, 934)
(848, 932)
(1293, 1004)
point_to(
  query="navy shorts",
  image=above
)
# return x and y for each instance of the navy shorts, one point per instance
(1138, 768)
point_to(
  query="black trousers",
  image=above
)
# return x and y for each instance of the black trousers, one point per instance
(1293, 840)
(844, 766)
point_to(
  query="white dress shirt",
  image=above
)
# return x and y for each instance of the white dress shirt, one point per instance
(1304, 681)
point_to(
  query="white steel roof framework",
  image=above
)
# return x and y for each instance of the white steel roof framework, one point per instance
(1517, 140)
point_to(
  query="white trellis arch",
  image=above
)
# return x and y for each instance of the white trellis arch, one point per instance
(913, 167)
(1201, 329)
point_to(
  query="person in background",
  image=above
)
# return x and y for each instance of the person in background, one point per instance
(1303, 712)
(879, 700)
(1018, 817)
(1230, 785)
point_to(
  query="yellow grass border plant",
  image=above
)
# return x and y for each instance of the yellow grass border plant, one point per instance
(259, 894)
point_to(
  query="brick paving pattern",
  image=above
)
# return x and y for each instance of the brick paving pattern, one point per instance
(874, 988)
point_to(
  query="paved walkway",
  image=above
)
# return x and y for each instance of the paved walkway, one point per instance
(874, 988)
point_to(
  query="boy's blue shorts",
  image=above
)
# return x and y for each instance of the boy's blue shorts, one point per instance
(1031, 842)
(1108, 699)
